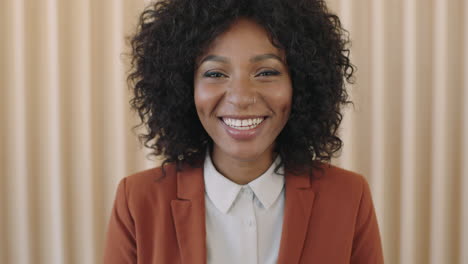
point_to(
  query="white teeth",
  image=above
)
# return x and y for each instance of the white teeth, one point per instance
(243, 124)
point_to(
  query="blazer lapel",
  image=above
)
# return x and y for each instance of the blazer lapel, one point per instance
(298, 207)
(189, 215)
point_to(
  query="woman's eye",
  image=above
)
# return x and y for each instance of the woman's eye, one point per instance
(213, 75)
(268, 73)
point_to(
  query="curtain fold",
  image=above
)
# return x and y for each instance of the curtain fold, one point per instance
(66, 138)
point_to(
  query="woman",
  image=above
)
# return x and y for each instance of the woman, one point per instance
(242, 98)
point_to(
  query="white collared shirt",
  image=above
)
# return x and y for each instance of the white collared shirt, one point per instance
(243, 222)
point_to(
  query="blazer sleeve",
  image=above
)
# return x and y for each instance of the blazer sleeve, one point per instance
(367, 246)
(120, 245)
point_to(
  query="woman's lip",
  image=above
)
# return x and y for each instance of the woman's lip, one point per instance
(242, 134)
(241, 117)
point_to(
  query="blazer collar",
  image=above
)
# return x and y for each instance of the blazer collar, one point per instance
(188, 212)
(189, 216)
(299, 201)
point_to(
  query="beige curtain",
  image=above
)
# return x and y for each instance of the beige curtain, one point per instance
(65, 138)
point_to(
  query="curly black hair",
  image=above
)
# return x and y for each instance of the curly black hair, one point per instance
(171, 34)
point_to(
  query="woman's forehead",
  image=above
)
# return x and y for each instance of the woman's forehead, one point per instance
(244, 38)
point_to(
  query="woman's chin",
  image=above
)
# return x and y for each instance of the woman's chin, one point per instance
(246, 153)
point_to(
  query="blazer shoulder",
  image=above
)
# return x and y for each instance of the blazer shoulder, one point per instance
(334, 173)
(159, 174)
(341, 182)
(151, 183)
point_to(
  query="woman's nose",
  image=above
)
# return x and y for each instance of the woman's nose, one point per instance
(241, 93)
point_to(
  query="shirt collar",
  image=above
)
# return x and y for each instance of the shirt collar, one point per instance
(223, 192)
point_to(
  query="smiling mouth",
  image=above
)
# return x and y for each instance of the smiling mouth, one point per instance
(244, 123)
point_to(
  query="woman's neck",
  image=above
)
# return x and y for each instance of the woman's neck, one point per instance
(241, 171)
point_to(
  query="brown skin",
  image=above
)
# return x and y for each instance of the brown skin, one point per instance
(243, 75)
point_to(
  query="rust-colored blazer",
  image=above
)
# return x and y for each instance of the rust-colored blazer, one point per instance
(327, 220)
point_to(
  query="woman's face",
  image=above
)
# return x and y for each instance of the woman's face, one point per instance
(243, 92)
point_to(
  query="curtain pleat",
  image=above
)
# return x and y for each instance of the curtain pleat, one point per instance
(46, 133)
(66, 138)
(75, 56)
(16, 190)
(409, 136)
(463, 246)
(445, 138)
(376, 126)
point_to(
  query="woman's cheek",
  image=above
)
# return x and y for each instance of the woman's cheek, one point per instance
(280, 95)
(206, 95)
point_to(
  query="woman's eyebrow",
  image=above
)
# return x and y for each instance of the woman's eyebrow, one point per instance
(265, 57)
(214, 58)
(254, 59)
